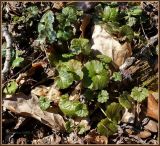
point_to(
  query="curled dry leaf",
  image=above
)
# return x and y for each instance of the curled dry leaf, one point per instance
(29, 106)
(51, 139)
(94, 138)
(152, 107)
(106, 44)
(144, 134)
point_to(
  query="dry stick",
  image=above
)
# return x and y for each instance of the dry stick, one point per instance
(6, 66)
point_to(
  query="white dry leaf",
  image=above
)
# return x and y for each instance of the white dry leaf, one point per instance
(128, 117)
(108, 45)
(28, 105)
(51, 139)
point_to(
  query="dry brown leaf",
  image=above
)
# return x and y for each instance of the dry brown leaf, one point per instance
(106, 44)
(75, 95)
(152, 107)
(51, 139)
(144, 134)
(73, 138)
(85, 22)
(51, 92)
(28, 106)
(94, 138)
(151, 126)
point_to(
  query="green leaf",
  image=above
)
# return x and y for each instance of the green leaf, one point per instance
(64, 79)
(113, 112)
(110, 14)
(136, 11)
(127, 31)
(44, 103)
(72, 108)
(104, 58)
(131, 21)
(17, 62)
(45, 28)
(80, 45)
(139, 93)
(117, 76)
(107, 127)
(64, 35)
(81, 110)
(125, 100)
(67, 17)
(11, 87)
(69, 125)
(75, 66)
(32, 11)
(83, 127)
(103, 96)
(95, 75)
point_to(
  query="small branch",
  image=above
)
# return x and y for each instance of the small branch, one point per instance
(8, 39)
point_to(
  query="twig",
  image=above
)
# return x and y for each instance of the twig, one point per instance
(143, 29)
(8, 38)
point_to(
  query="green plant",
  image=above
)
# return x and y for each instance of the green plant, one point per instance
(44, 103)
(72, 108)
(11, 87)
(45, 28)
(96, 76)
(139, 93)
(117, 76)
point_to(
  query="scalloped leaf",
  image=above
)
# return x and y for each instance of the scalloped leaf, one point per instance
(72, 108)
(64, 79)
(127, 31)
(11, 87)
(107, 127)
(104, 58)
(110, 14)
(80, 45)
(117, 76)
(139, 93)
(45, 28)
(44, 103)
(113, 112)
(103, 96)
(75, 66)
(96, 76)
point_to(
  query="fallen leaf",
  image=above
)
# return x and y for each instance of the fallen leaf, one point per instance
(51, 92)
(151, 126)
(152, 107)
(73, 138)
(144, 134)
(108, 45)
(51, 139)
(128, 117)
(85, 22)
(94, 138)
(29, 106)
